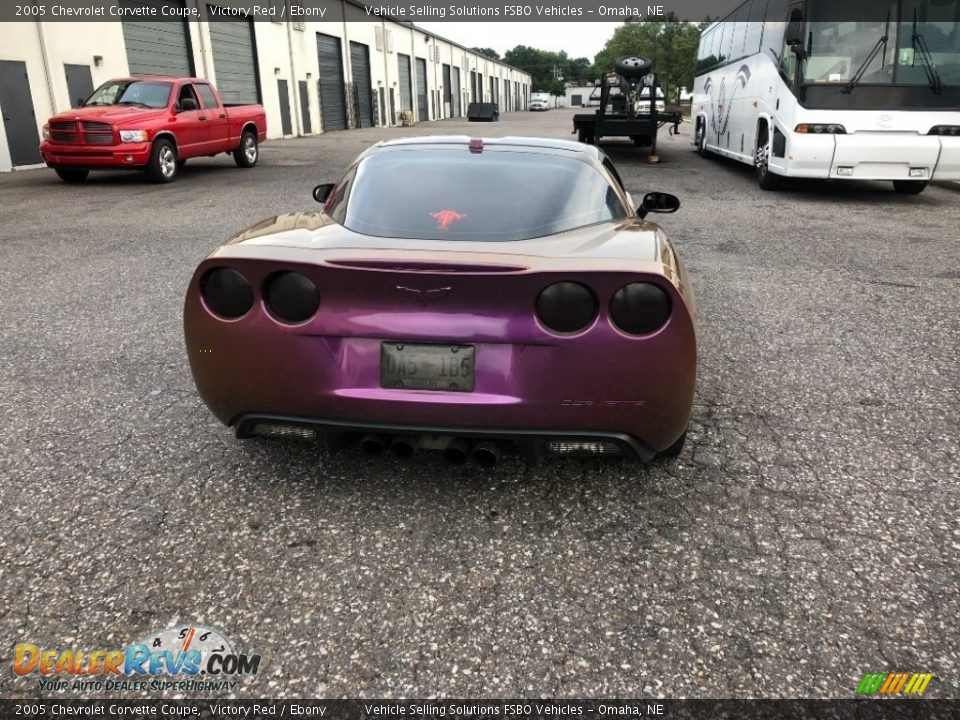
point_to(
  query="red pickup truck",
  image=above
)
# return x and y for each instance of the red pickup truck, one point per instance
(151, 123)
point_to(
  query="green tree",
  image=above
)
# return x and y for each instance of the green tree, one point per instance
(670, 44)
(487, 52)
(558, 88)
(547, 67)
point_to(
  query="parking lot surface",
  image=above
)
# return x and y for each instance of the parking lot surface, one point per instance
(807, 535)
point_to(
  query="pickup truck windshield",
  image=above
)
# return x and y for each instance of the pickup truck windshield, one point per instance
(453, 194)
(146, 93)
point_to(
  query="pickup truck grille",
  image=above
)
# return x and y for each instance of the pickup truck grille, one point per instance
(63, 132)
(90, 133)
(97, 133)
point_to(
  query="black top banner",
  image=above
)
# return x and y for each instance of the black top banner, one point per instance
(866, 709)
(422, 10)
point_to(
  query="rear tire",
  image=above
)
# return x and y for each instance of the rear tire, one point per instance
(72, 175)
(675, 449)
(248, 153)
(909, 187)
(162, 167)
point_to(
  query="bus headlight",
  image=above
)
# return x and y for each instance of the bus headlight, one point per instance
(945, 130)
(820, 129)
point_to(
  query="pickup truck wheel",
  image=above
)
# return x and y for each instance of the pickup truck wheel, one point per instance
(72, 175)
(247, 154)
(162, 167)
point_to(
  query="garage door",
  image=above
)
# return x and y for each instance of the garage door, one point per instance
(447, 83)
(455, 91)
(235, 60)
(422, 109)
(360, 62)
(333, 108)
(157, 48)
(406, 88)
(19, 119)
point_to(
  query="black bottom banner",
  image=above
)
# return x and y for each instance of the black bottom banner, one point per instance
(865, 709)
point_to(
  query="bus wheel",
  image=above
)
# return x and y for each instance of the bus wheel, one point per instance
(701, 140)
(909, 187)
(766, 179)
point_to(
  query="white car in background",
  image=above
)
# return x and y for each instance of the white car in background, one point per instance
(539, 102)
(643, 103)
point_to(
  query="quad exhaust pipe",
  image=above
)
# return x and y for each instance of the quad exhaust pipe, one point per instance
(373, 444)
(486, 453)
(458, 451)
(403, 446)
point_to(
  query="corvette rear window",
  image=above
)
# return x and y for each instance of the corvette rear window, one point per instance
(453, 194)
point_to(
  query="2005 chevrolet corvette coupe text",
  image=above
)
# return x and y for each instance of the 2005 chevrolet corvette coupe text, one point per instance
(467, 295)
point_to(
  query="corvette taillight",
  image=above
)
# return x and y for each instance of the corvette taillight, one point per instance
(640, 308)
(226, 292)
(292, 297)
(566, 307)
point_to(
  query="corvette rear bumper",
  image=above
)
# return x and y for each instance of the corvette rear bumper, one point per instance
(534, 443)
(528, 382)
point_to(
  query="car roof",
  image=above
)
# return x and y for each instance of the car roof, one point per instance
(539, 143)
(162, 78)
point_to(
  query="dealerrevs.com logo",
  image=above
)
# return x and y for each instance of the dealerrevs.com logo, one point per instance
(182, 658)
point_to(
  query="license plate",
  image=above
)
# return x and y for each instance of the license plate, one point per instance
(427, 367)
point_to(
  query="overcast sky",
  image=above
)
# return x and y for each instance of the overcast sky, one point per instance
(579, 39)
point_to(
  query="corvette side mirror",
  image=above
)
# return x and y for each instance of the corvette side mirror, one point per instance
(322, 192)
(658, 202)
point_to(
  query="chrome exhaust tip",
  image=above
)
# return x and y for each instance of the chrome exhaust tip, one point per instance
(403, 446)
(486, 453)
(457, 452)
(373, 444)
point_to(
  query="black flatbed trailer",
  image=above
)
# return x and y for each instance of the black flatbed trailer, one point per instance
(620, 91)
(642, 129)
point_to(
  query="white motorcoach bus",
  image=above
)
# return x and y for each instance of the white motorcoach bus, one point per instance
(834, 89)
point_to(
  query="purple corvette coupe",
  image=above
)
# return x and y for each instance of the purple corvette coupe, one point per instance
(464, 295)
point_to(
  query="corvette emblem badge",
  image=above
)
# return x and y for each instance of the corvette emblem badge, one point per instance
(424, 296)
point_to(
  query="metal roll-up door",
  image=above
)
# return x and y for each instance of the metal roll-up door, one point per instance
(235, 60)
(422, 103)
(406, 89)
(360, 62)
(157, 48)
(333, 106)
(447, 84)
(455, 91)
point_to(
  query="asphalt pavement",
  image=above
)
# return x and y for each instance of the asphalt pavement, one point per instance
(808, 534)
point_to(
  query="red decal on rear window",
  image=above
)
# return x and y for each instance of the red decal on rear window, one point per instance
(445, 218)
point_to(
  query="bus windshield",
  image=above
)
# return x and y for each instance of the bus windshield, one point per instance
(922, 47)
